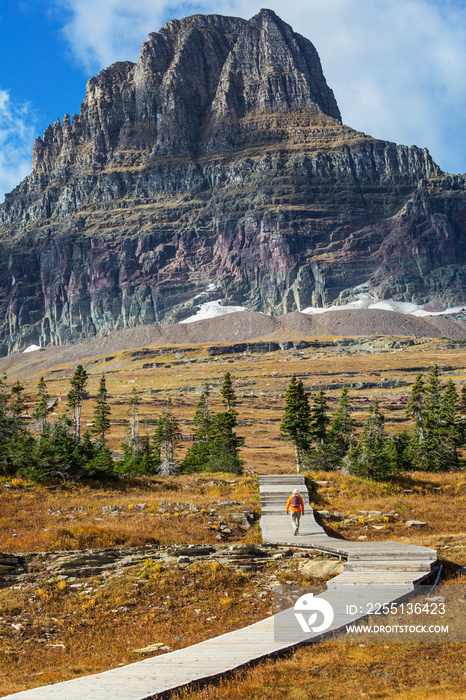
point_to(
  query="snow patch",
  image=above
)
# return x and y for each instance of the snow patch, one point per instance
(31, 348)
(211, 309)
(367, 301)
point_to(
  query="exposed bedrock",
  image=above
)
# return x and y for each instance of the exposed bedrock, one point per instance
(217, 166)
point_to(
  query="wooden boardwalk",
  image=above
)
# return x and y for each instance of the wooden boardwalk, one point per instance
(374, 572)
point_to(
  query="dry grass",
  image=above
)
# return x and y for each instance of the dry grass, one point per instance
(436, 499)
(57, 631)
(103, 620)
(37, 518)
(347, 671)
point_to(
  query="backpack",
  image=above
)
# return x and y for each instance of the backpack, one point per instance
(295, 501)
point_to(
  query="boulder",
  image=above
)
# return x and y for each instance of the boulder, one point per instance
(321, 569)
(193, 550)
(150, 649)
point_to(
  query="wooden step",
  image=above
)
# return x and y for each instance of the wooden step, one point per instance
(387, 565)
(376, 578)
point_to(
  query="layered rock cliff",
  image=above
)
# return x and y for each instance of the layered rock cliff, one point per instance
(218, 166)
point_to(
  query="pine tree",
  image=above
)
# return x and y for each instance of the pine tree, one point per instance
(318, 455)
(373, 457)
(432, 395)
(462, 415)
(3, 407)
(133, 412)
(76, 397)
(137, 452)
(416, 406)
(147, 462)
(202, 415)
(436, 435)
(197, 457)
(216, 444)
(167, 433)
(450, 429)
(319, 418)
(6, 425)
(296, 422)
(224, 444)
(17, 405)
(102, 413)
(41, 406)
(341, 430)
(449, 406)
(227, 392)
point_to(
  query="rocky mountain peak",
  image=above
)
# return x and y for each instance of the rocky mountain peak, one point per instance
(217, 166)
(197, 75)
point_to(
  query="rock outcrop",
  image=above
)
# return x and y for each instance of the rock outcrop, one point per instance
(217, 166)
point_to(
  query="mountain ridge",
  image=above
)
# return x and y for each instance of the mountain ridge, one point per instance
(218, 159)
(245, 327)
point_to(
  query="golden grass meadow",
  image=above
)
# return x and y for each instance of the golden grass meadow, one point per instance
(55, 629)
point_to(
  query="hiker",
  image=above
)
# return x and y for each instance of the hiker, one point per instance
(295, 505)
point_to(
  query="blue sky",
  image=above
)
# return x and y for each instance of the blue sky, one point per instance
(397, 67)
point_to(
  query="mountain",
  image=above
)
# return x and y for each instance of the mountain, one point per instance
(217, 166)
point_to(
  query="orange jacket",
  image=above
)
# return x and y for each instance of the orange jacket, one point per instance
(290, 507)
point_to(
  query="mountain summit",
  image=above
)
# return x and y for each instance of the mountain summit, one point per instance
(217, 166)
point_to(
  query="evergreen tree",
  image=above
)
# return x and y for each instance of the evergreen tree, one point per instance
(216, 444)
(435, 437)
(319, 418)
(198, 454)
(167, 433)
(296, 422)
(438, 452)
(416, 407)
(374, 457)
(417, 449)
(17, 405)
(432, 396)
(102, 413)
(147, 463)
(15, 443)
(202, 415)
(224, 444)
(41, 406)
(462, 415)
(137, 452)
(133, 412)
(449, 407)
(227, 392)
(341, 430)
(398, 451)
(318, 456)
(76, 397)
(449, 432)
(57, 456)
(6, 424)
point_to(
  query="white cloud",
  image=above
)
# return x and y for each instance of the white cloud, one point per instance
(101, 32)
(17, 133)
(396, 66)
